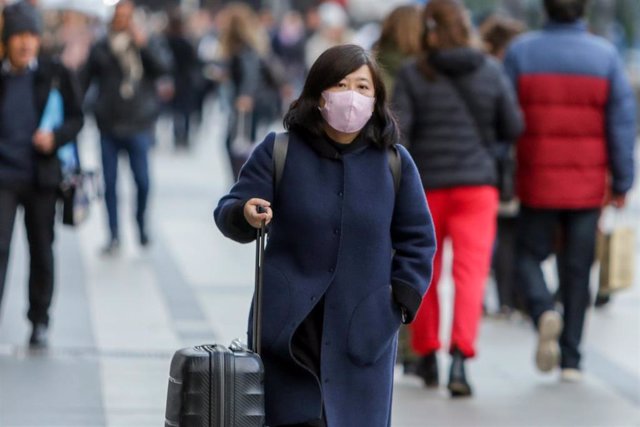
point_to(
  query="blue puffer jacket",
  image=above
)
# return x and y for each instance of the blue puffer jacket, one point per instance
(580, 118)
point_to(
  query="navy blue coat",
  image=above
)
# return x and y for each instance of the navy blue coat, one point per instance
(334, 229)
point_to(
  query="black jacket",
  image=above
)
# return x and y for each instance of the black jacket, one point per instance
(437, 127)
(114, 114)
(51, 74)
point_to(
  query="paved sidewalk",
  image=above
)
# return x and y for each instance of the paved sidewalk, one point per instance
(117, 321)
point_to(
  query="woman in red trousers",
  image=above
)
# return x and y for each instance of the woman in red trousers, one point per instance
(453, 103)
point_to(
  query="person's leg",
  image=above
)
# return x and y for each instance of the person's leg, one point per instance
(580, 232)
(425, 329)
(39, 217)
(180, 127)
(537, 229)
(138, 149)
(472, 227)
(426, 325)
(8, 207)
(504, 261)
(110, 147)
(533, 245)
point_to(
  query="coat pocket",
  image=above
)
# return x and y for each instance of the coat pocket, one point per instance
(373, 327)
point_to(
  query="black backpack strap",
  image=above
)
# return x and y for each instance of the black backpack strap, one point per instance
(395, 164)
(280, 147)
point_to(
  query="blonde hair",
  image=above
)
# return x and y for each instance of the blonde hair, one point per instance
(402, 29)
(241, 29)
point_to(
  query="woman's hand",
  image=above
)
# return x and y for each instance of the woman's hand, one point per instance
(44, 141)
(251, 212)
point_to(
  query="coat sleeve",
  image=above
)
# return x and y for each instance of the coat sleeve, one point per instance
(509, 121)
(156, 57)
(72, 101)
(255, 181)
(413, 240)
(621, 128)
(403, 106)
(249, 69)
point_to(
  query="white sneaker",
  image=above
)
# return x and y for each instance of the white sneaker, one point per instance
(571, 375)
(548, 350)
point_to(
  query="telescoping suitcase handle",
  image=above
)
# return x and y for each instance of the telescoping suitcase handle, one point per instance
(256, 345)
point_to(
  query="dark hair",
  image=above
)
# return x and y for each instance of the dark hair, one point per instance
(565, 10)
(498, 31)
(331, 67)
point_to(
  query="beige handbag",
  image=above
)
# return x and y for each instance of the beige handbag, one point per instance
(616, 253)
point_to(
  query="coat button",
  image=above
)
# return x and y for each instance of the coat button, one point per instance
(313, 298)
(336, 231)
(340, 194)
(331, 270)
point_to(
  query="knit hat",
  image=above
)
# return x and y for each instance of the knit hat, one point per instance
(18, 18)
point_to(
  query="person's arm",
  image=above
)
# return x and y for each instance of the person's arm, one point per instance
(89, 70)
(621, 131)
(402, 104)
(255, 182)
(72, 101)
(509, 121)
(156, 57)
(248, 69)
(511, 66)
(413, 239)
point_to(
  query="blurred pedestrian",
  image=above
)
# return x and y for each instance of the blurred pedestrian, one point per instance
(349, 255)
(497, 32)
(187, 79)
(29, 168)
(455, 105)
(255, 92)
(289, 45)
(399, 40)
(578, 146)
(124, 66)
(333, 29)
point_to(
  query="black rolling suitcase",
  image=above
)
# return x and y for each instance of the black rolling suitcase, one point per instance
(218, 386)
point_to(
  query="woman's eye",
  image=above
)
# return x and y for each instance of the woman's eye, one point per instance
(342, 85)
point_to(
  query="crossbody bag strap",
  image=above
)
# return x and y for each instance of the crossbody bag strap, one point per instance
(473, 111)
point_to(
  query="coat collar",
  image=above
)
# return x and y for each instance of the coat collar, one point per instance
(326, 147)
(579, 25)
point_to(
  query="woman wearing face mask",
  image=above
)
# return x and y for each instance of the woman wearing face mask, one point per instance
(349, 255)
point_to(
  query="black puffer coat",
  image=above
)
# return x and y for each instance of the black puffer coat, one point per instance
(437, 127)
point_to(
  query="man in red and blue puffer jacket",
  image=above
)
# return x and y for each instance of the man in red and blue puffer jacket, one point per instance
(577, 149)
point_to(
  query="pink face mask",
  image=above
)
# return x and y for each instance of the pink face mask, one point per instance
(347, 111)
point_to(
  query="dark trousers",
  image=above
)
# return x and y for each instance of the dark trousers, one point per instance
(536, 239)
(181, 127)
(503, 262)
(39, 216)
(137, 147)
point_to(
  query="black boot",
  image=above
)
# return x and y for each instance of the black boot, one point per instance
(427, 369)
(38, 338)
(458, 385)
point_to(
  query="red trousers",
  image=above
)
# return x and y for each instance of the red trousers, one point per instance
(466, 215)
